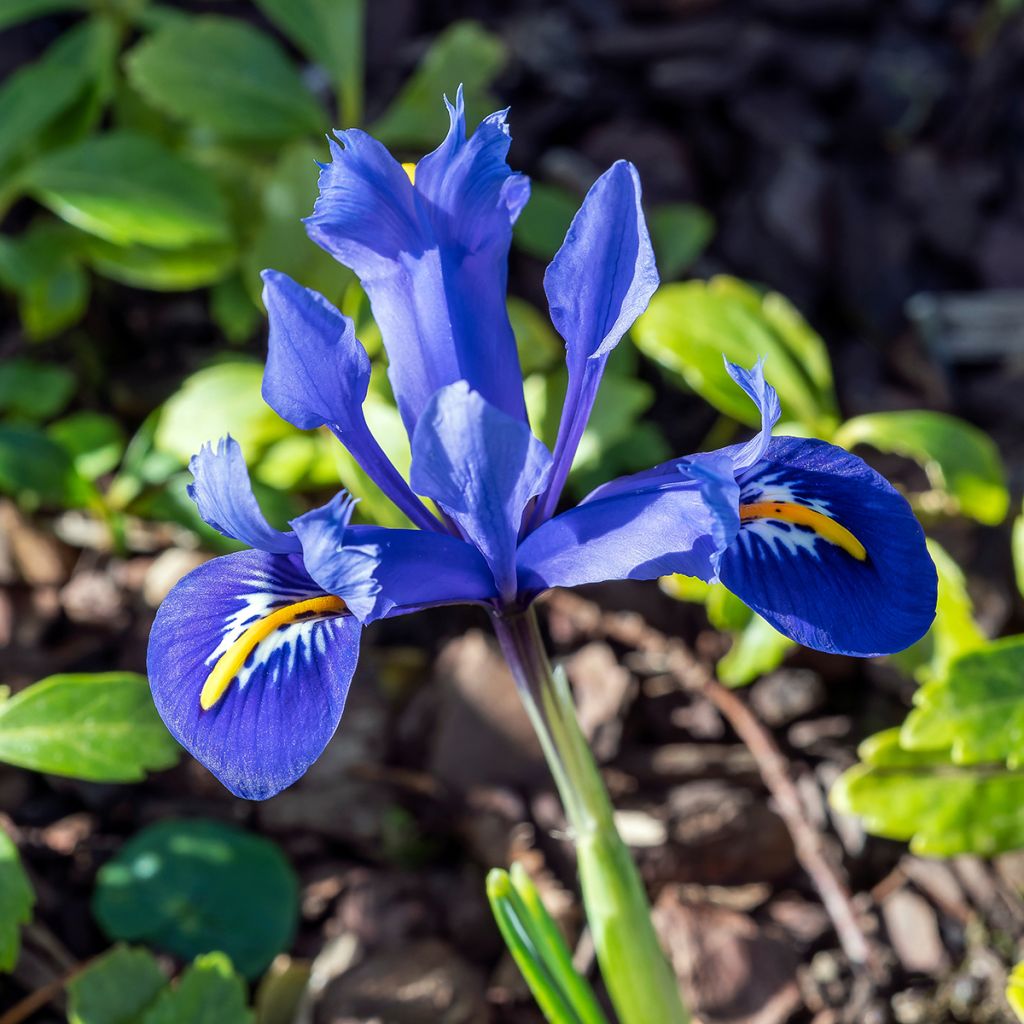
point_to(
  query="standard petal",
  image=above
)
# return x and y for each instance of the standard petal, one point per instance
(271, 655)
(317, 372)
(432, 258)
(680, 524)
(599, 282)
(379, 572)
(223, 493)
(829, 553)
(482, 467)
(765, 397)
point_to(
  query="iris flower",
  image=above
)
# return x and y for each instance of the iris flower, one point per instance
(252, 654)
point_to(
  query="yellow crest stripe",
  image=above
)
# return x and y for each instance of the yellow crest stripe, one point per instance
(230, 663)
(410, 170)
(790, 512)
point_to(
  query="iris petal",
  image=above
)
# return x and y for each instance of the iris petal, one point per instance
(765, 397)
(639, 533)
(482, 467)
(276, 715)
(379, 571)
(599, 282)
(817, 590)
(432, 258)
(223, 493)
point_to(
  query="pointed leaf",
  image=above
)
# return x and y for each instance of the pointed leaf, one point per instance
(116, 988)
(209, 992)
(16, 901)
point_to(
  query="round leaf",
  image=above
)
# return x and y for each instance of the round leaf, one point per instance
(194, 886)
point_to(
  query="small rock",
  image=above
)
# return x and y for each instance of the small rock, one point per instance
(603, 690)
(640, 829)
(166, 570)
(678, 762)
(424, 982)
(92, 598)
(784, 696)
(914, 933)
(38, 557)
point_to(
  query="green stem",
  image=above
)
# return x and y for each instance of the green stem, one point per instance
(638, 977)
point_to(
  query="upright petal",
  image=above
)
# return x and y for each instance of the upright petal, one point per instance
(250, 664)
(679, 524)
(829, 553)
(382, 572)
(432, 258)
(482, 467)
(223, 493)
(318, 373)
(765, 397)
(599, 282)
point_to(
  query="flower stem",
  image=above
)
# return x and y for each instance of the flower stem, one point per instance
(639, 979)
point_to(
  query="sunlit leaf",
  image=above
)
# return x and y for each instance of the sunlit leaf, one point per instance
(225, 75)
(689, 327)
(16, 901)
(960, 460)
(115, 989)
(464, 53)
(756, 649)
(922, 796)
(100, 726)
(680, 233)
(209, 992)
(539, 345)
(162, 270)
(130, 189)
(1018, 551)
(1015, 991)
(94, 441)
(195, 886)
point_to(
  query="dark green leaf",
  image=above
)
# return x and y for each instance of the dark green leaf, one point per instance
(162, 270)
(35, 95)
(923, 796)
(680, 233)
(464, 53)
(233, 309)
(116, 988)
(37, 471)
(94, 441)
(541, 227)
(330, 32)
(689, 327)
(209, 992)
(14, 11)
(225, 75)
(540, 347)
(16, 901)
(102, 727)
(129, 189)
(34, 391)
(961, 461)
(194, 886)
(976, 710)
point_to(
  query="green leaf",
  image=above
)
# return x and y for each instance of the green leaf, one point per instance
(540, 347)
(689, 327)
(540, 229)
(215, 401)
(16, 901)
(330, 32)
(34, 391)
(130, 189)
(942, 808)
(1018, 551)
(36, 95)
(961, 461)
(116, 988)
(287, 195)
(96, 726)
(14, 11)
(1015, 991)
(194, 886)
(233, 309)
(162, 270)
(680, 233)
(37, 471)
(464, 53)
(225, 75)
(209, 992)
(756, 649)
(954, 631)
(976, 710)
(94, 441)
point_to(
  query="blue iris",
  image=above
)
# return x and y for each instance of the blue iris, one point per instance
(251, 655)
